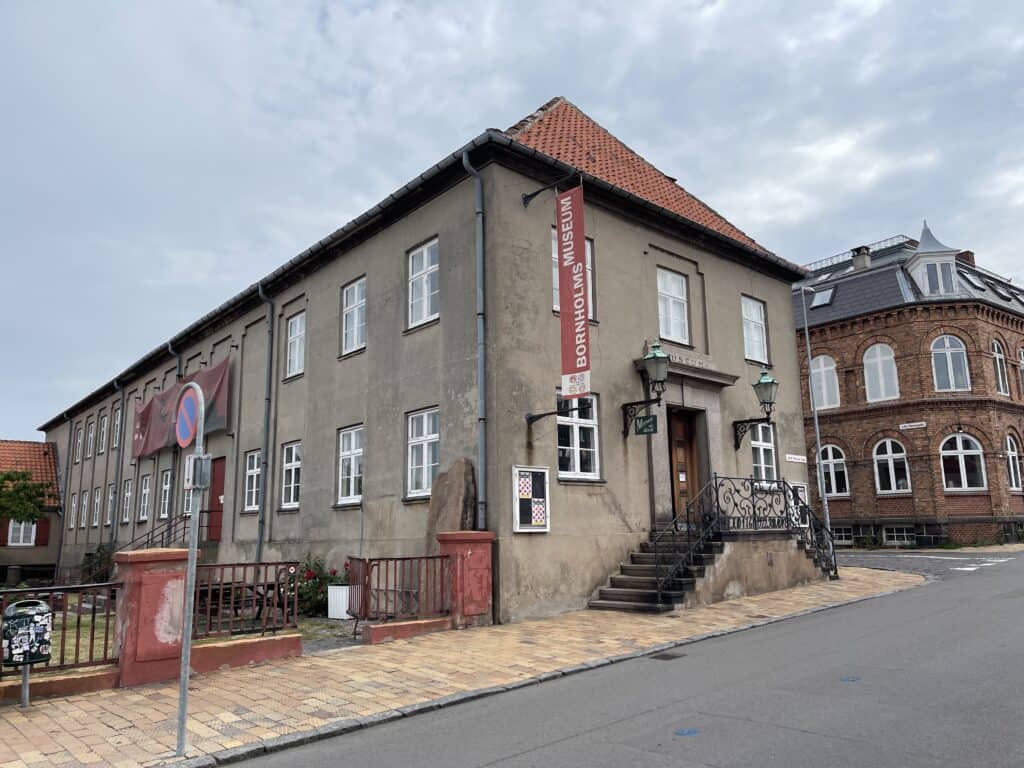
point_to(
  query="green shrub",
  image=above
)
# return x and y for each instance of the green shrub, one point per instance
(314, 578)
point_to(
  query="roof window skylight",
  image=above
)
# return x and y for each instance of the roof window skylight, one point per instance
(823, 297)
(971, 278)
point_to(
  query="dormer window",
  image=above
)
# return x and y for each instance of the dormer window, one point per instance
(940, 278)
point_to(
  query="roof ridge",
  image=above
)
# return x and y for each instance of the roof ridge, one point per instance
(528, 121)
(4, 440)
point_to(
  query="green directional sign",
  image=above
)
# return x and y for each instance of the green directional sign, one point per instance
(646, 425)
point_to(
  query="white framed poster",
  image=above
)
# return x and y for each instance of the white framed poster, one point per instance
(531, 500)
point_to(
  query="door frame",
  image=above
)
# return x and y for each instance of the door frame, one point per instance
(697, 458)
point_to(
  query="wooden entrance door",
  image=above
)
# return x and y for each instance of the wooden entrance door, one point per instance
(215, 517)
(683, 459)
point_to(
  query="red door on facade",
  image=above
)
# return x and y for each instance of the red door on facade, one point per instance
(215, 514)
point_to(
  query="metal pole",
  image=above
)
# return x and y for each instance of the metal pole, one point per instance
(814, 414)
(190, 576)
(24, 686)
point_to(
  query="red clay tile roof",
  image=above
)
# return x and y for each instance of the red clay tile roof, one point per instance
(562, 130)
(38, 458)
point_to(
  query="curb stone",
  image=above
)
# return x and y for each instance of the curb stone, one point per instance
(341, 727)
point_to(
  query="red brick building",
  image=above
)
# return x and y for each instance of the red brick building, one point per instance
(917, 371)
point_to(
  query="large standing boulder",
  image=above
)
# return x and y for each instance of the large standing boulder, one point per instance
(452, 502)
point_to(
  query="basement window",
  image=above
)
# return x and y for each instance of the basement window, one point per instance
(843, 536)
(896, 535)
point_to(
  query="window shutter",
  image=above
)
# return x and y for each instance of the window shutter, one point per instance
(4, 527)
(43, 531)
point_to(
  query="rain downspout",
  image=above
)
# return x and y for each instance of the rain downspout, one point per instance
(481, 348)
(117, 471)
(261, 520)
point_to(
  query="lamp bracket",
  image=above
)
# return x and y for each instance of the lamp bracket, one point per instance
(741, 427)
(528, 198)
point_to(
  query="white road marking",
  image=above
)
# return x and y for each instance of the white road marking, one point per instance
(974, 568)
(925, 557)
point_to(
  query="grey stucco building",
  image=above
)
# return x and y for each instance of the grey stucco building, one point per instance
(363, 353)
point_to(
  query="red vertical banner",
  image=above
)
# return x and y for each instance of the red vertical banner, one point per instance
(573, 300)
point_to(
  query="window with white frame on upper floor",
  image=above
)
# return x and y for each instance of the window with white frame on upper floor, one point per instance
(949, 365)
(73, 511)
(755, 330)
(186, 502)
(1013, 463)
(673, 315)
(78, 445)
(295, 358)
(144, 498)
(115, 434)
(762, 448)
(291, 474)
(424, 284)
(253, 473)
(111, 502)
(126, 502)
(824, 383)
(90, 439)
(579, 454)
(424, 451)
(999, 368)
(83, 517)
(353, 316)
(96, 500)
(165, 495)
(940, 278)
(103, 435)
(555, 285)
(21, 534)
(963, 463)
(881, 379)
(892, 472)
(350, 465)
(833, 467)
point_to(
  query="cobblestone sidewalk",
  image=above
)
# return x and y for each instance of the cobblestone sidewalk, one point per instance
(242, 712)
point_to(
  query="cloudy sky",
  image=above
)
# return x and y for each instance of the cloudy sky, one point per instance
(158, 157)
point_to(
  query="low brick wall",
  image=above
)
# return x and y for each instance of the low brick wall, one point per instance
(401, 630)
(975, 533)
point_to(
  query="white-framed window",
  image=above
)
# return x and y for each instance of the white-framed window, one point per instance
(350, 465)
(755, 330)
(578, 448)
(103, 434)
(90, 439)
(186, 502)
(83, 519)
(940, 278)
(291, 474)
(1013, 463)
(833, 466)
(822, 297)
(73, 512)
(555, 299)
(78, 445)
(424, 451)
(115, 435)
(21, 534)
(881, 379)
(999, 365)
(253, 480)
(126, 502)
(111, 502)
(949, 365)
(963, 464)
(897, 535)
(892, 472)
(96, 507)
(762, 447)
(673, 316)
(296, 347)
(144, 498)
(353, 316)
(424, 284)
(1020, 369)
(842, 535)
(825, 383)
(165, 495)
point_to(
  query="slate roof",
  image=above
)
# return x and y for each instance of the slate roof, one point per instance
(27, 456)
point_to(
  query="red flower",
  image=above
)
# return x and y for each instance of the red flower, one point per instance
(334, 571)
(346, 565)
(310, 575)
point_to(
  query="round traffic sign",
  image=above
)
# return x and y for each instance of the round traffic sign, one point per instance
(188, 414)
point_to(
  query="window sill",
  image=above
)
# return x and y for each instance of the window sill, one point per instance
(965, 491)
(676, 342)
(840, 497)
(420, 326)
(591, 321)
(287, 510)
(353, 353)
(763, 363)
(890, 494)
(293, 377)
(416, 499)
(142, 522)
(250, 512)
(348, 504)
(20, 546)
(581, 480)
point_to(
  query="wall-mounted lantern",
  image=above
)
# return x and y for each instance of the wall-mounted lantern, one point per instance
(765, 388)
(655, 373)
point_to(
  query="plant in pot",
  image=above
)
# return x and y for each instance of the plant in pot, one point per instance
(317, 584)
(337, 593)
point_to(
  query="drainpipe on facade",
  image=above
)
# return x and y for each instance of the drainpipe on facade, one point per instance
(261, 520)
(814, 412)
(481, 348)
(62, 492)
(114, 520)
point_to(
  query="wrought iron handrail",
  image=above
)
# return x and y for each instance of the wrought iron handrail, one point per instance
(174, 529)
(669, 560)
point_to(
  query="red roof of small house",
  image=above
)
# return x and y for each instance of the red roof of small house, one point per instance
(562, 130)
(27, 456)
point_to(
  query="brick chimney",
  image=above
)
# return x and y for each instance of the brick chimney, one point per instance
(861, 258)
(966, 256)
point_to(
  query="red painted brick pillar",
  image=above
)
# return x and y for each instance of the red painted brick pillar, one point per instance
(150, 614)
(470, 555)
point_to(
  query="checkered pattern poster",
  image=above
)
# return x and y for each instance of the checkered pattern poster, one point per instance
(531, 503)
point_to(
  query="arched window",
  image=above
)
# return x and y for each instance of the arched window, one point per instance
(892, 473)
(833, 466)
(824, 382)
(999, 363)
(949, 365)
(1013, 463)
(880, 377)
(963, 464)
(1020, 370)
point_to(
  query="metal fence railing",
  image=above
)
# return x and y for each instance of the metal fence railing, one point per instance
(385, 588)
(245, 598)
(83, 624)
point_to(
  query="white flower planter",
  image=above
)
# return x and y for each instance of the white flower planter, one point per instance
(337, 602)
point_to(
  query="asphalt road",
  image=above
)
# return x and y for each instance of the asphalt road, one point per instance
(928, 677)
(942, 564)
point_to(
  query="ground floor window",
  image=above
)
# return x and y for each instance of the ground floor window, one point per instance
(843, 535)
(291, 475)
(21, 534)
(895, 535)
(423, 451)
(577, 437)
(762, 446)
